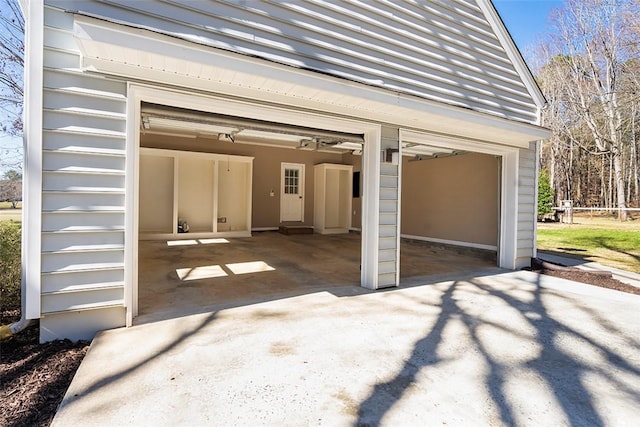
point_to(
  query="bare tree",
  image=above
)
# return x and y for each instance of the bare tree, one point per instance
(589, 81)
(11, 188)
(11, 78)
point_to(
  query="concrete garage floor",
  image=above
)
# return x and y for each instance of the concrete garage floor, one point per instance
(488, 349)
(193, 276)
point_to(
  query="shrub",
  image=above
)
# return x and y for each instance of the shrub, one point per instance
(545, 194)
(10, 265)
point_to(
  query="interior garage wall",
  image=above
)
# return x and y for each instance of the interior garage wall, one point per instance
(266, 171)
(452, 198)
(356, 202)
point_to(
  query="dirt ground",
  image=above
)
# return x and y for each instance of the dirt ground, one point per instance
(583, 276)
(34, 377)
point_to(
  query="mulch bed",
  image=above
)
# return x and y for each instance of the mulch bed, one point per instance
(33, 376)
(596, 278)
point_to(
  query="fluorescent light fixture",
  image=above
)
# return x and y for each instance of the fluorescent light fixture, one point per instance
(192, 126)
(250, 133)
(180, 135)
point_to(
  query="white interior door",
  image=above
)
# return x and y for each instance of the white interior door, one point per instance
(292, 192)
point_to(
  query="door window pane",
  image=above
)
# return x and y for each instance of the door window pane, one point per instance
(291, 181)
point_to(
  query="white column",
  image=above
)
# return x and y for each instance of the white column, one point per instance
(509, 211)
(370, 209)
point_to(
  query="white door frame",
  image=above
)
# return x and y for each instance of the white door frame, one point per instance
(301, 184)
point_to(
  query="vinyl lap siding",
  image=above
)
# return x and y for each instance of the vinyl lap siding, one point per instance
(444, 51)
(83, 183)
(388, 215)
(527, 206)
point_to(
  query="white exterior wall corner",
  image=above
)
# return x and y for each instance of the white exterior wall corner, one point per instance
(32, 184)
(82, 191)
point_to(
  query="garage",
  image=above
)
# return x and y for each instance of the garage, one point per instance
(202, 124)
(235, 210)
(450, 202)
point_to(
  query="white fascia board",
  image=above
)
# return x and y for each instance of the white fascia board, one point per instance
(512, 51)
(32, 182)
(259, 80)
(24, 8)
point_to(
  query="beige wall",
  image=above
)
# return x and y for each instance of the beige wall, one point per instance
(266, 171)
(452, 198)
(356, 203)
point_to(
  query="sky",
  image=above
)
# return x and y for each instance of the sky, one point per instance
(526, 20)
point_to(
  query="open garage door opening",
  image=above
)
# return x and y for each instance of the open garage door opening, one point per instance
(450, 210)
(235, 210)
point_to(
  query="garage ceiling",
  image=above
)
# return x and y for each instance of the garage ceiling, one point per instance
(162, 120)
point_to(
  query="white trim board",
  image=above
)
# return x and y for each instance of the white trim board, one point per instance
(32, 184)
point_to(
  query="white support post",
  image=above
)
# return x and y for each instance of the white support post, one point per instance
(509, 211)
(370, 208)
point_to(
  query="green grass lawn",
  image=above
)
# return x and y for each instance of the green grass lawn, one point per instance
(7, 213)
(600, 239)
(10, 214)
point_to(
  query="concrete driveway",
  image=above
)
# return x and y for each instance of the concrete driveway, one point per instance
(493, 348)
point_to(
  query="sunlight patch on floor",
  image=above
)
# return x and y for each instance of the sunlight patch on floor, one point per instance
(192, 242)
(249, 267)
(205, 272)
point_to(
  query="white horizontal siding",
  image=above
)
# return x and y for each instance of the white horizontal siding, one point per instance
(82, 280)
(56, 58)
(62, 161)
(78, 142)
(70, 182)
(388, 265)
(53, 222)
(83, 182)
(526, 207)
(387, 243)
(69, 261)
(82, 241)
(444, 51)
(59, 302)
(97, 201)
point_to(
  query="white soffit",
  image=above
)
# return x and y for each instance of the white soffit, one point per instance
(121, 50)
